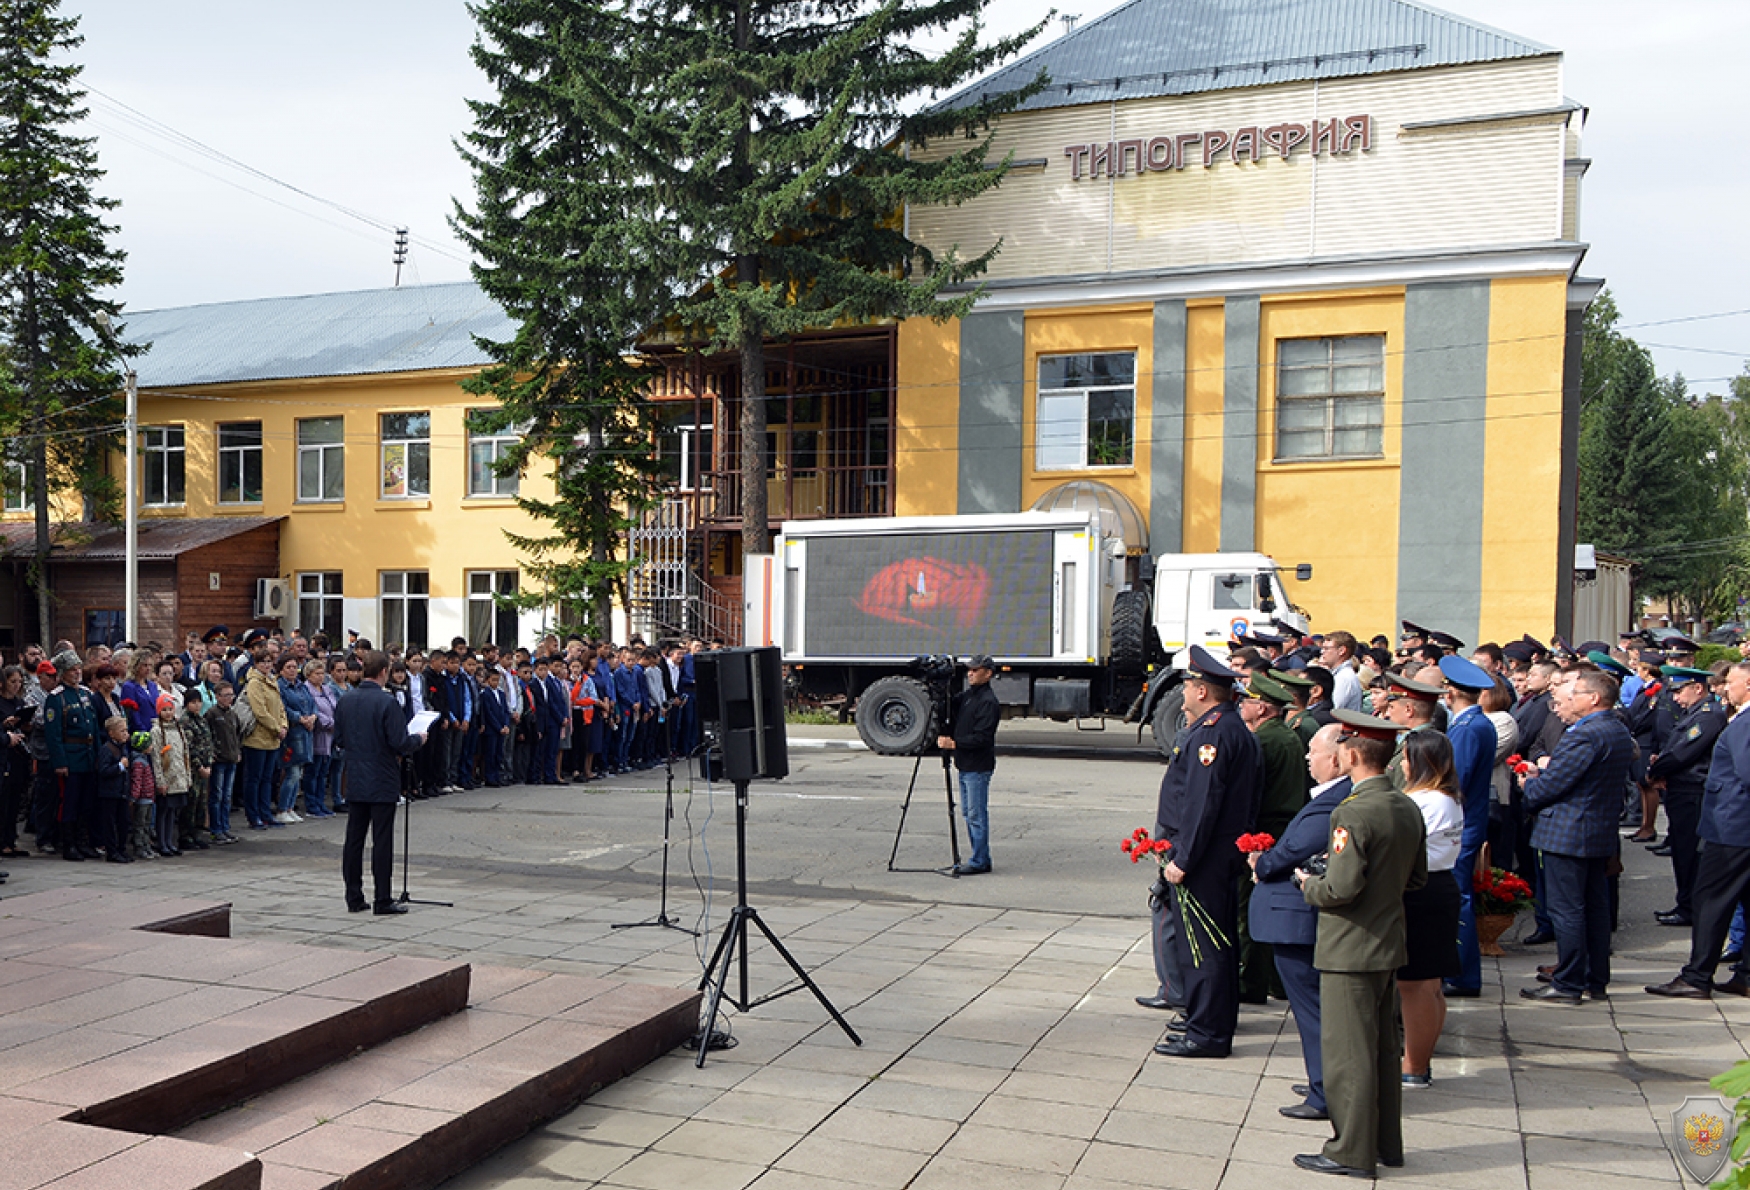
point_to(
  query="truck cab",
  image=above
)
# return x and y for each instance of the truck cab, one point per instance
(1210, 599)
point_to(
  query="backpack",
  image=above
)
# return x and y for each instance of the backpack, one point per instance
(245, 716)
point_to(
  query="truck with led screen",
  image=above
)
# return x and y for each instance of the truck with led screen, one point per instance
(1077, 618)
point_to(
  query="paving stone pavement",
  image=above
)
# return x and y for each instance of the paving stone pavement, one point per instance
(1001, 1048)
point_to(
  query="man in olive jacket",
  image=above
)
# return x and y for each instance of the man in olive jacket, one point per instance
(372, 728)
(1377, 851)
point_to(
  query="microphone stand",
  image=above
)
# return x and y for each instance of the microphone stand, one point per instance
(662, 918)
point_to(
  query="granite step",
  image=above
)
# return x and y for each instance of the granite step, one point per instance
(422, 1108)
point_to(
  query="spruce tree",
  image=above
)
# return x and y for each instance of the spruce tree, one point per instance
(765, 145)
(59, 399)
(554, 228)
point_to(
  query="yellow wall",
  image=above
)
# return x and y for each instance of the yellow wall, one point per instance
(364, 534)
(1340, 516)
(927, 419)
(1522, 487)
(1089, 329)
(1205, 355)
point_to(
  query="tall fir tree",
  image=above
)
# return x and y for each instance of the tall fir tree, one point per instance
(59, 395)
(555, 230)
(764, 144)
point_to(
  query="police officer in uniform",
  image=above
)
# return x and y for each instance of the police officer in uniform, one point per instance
(1682, 766)
(70, 730)
(1208, 799)
(1376, 853)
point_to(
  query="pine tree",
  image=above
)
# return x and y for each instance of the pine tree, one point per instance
(555, 229)
(58, 394)
(765, 142)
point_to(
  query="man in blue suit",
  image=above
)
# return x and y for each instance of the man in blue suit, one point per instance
(1722, 879)
(1281, 916)
(1473, 754)
(1575, 803)
(495, 728)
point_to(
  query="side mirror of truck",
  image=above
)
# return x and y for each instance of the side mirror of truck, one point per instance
(1303, 572)
(1266, 598)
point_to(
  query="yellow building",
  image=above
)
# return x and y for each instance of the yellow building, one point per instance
(337, 419)
(1297, 278)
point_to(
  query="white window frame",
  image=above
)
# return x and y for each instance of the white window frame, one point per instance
(158, 457)
(1332, 398)
(330, 461)
(240, 455)
(18, 496)
(330, 605)
(499, 487)
(1071, 403)
(482, 585)
(409, 448)
(394, 590)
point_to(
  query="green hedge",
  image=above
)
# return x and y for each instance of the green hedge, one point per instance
(1712, 653)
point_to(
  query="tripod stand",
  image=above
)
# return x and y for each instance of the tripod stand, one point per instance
(953, 833)
(662, 918)
(732, 948)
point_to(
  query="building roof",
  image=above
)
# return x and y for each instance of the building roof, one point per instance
(161, 539)
(413, 328)
(1147, 48)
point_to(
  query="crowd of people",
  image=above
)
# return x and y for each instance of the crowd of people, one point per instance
(142, 752)
(1333, 815)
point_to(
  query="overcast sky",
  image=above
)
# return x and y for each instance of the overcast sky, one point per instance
(358, 101)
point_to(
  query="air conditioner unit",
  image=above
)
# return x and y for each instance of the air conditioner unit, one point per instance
(273, 598)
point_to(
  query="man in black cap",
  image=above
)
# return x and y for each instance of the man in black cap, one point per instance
(1682, 765)
(1208, 799)
(973, 741)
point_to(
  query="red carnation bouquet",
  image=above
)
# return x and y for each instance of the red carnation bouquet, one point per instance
(1521, 766)
(1262, 841)
(1138, 844)
(1500, 892)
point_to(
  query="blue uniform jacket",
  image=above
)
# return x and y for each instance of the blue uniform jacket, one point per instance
(1576, 801)
(1209, 796)
(1473, 755)
(1683, 763)
(628, 687)
(1279, 913)
(1725, 807)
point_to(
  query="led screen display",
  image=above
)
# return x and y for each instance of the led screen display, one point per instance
(929, 593)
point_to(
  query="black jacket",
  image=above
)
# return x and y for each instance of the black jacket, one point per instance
(372, 728)
(975, 716)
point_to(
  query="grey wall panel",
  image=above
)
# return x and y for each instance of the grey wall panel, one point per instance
(1568, 499)
(992, 373)
(1239, 426)
(1166, 432)
(1440, 507)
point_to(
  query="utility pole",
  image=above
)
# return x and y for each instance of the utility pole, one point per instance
(131, 510)
(400, 253)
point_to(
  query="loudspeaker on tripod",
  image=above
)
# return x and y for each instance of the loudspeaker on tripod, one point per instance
(741, 693)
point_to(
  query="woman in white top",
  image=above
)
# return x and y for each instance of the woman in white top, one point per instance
(1430, 912)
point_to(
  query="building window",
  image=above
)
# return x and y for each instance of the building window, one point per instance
(485, 449)
(240, 463)
(18, 487)
(402, 601)
(406, 456)
(165, 463)
(1087, 411)
(322, 459)
(320, 608)
(489, 621)
(105, 626)
(684, 453)
(1330, 398)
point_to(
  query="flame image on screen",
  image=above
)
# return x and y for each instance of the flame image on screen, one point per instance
(927, 587)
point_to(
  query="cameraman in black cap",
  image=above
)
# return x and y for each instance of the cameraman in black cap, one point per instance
(974, 716)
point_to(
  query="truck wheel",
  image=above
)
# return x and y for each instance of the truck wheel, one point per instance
(1169, 711)
(895, 717)
(1131, 632)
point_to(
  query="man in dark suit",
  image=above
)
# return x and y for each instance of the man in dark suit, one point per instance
(495, 728)
(1281, 917)
(1683, 766)
(1209, 798)
(1574, 803)
(373, 730)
